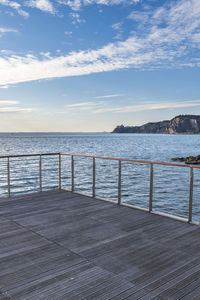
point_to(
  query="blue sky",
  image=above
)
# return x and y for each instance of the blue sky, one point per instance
(89, 65)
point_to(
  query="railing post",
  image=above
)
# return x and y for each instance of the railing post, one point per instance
(59, 171)
(151, 188)
(94, 179)
(119, 182)
(8, 175)
(40, 172)
(72, 172)
(191, 195)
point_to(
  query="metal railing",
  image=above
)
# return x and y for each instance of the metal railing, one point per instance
(11, 157)
(120, 160)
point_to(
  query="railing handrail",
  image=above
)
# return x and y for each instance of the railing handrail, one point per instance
(27, 155)
(104, 157)
(133, 160)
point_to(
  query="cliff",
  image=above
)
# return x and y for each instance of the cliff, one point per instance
(189, 124)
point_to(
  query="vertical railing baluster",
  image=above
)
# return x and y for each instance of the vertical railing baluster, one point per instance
(119, 181)
(191, 195)
(94, 178)
(8, 175)
(72, 173)
(151, 188)
(40, 172)
(59, 171)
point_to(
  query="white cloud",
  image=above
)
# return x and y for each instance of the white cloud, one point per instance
(8, 102)
(46, 54)
(16, 6)
(74, 4)
(76, 18)
(118, 28)
(14, 109)
(80, 104)
(8, 106)
(103, 107)
(4, 86)
(147, 107)
(5, 30)
(6, 52)
(108, 96)
(159, 46)
(77, 4)
(141, 16)
(68, 32)
(87, 106)
(196, 38)
(44, 5)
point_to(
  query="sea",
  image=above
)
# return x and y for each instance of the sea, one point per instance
(171, 185)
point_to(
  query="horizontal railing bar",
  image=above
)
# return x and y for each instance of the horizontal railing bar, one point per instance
(132, 160)
(28, 155)
(103, 157)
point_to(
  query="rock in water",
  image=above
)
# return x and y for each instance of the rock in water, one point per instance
(191, 160)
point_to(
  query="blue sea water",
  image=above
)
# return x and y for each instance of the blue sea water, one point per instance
(171, 184)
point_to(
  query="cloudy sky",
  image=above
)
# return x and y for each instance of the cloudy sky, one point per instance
(89, 65)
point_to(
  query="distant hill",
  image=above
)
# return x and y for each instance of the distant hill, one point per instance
(188, 124)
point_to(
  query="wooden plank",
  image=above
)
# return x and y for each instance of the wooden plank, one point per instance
(195, 294)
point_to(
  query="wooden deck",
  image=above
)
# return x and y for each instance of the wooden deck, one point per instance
(60, 245)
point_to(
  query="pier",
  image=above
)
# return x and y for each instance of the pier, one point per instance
(60, 244)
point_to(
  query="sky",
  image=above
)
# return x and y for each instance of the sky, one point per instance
(90, 65)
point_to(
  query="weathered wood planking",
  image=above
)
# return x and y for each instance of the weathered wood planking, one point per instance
(61, 245)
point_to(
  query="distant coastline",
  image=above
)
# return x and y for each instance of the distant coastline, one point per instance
(182, 124)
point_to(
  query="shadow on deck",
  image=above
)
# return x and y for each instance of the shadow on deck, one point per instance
(61, 245)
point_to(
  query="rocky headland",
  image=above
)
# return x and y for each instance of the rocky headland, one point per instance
(182, 124)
